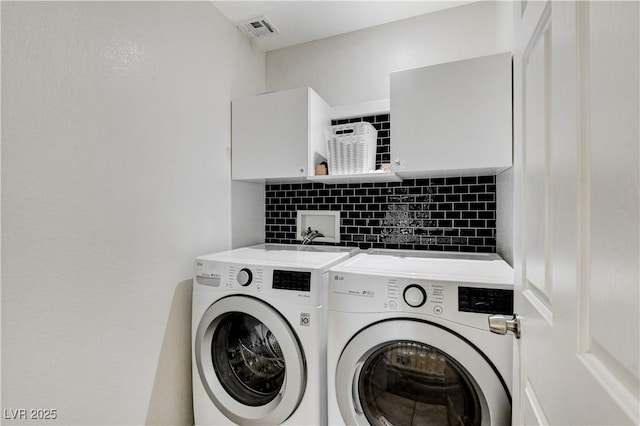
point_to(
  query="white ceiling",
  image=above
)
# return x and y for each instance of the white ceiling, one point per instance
(304, 21)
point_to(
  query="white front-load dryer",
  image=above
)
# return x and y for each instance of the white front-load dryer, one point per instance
(259, 335)
(409, 343)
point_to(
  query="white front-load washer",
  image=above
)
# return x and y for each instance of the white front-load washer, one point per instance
(409, 343)
(259, 335)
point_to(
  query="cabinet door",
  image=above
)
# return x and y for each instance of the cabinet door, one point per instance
(270, 135)
(453, 118)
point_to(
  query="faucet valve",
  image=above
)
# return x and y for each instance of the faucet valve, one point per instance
(310, 234)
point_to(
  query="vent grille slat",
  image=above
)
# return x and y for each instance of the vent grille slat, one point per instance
(258, 27)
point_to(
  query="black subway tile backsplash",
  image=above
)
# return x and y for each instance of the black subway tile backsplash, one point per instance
(443, 214)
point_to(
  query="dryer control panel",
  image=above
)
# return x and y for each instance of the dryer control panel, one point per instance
(465, 303)
(485, 300)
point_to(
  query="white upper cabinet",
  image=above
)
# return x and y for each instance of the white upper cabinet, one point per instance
(453, 118)
(278, 135)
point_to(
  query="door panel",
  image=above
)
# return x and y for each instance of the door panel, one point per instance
(532, 258)
(533, 414)
(577, 191)
(536, 62)
(613, 178)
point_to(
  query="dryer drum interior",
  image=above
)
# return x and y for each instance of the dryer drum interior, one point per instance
(247, 359)
(408, 382)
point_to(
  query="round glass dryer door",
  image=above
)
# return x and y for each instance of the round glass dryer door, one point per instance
(406, 372)
(249, 361)
(410, 383)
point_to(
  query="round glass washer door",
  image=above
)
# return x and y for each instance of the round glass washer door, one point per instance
(406, 372)
(249, 361)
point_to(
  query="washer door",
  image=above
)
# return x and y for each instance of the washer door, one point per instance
(409, 372)
(250, 361)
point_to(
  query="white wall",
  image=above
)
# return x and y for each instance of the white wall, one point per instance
(504, 215)
(248, 218)
(115, 175)
(354, 67)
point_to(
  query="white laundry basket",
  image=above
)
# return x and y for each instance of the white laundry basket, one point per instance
(352, 148)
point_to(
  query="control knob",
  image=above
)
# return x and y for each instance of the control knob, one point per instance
(414, 295)
(244, 277)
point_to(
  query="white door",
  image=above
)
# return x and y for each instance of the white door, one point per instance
(576, 158)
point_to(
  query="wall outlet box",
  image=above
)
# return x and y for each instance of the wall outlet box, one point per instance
(327, 222)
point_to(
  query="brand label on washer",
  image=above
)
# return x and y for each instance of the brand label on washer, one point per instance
(305, 319)
(356, 292)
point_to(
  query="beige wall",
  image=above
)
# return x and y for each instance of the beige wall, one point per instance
(115, 175)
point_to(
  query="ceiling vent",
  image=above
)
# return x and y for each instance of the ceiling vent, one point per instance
(258, 27)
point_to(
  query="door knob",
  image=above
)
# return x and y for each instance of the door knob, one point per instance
(500, 324)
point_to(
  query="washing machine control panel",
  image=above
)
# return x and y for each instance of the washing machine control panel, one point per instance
(277, 279)
(292, 280)
(296, 285)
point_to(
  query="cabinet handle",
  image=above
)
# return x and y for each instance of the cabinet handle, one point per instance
(301, 170)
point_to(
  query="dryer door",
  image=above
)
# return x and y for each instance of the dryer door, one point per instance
(408, 372)
(250, 361)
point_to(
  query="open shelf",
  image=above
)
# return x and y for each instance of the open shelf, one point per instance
(357, 178)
